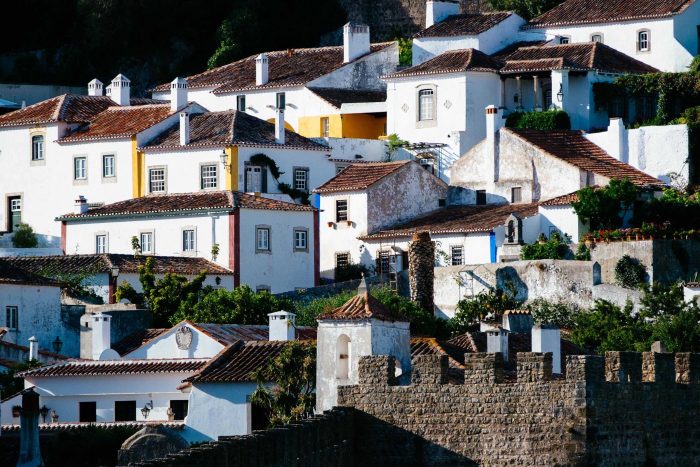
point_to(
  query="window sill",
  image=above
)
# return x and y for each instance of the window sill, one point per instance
(263, 252)
(82, 181)
(37, 163)
(426, 123)
(301, 250)
(109, 179)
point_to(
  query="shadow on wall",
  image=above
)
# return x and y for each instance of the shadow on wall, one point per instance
(507, 278)
(459, 196)
(395, 446)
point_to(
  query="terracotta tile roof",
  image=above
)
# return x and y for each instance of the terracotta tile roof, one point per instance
(470, 24)
(187, 202)
(338, 97)
(572, 147)
(563, 200)
(229, 333)
(361, 306)
(12, 274)
(137, 339)
(230, 127)
(119, 122)
(68, 108)
(103, 263)
(692, 285)
(237, 362)
(24, 348)
(360, 176)
(577, 57)
(115, 367)
(286, 68)
(458, 219)
(453, 61)
(595, 11)
(69, 426)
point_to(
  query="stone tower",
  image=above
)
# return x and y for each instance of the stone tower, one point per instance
(421, 261)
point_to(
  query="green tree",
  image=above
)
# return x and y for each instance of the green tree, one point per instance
(608, 327)
(557, 247)
(544, 311)
(292, 374)
(492, 302)
(630, 272)
(9, 383)
(528, 9)
(24, 237)
(605, 208)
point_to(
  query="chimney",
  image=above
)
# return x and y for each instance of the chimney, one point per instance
(184, 128)
(101, 341)
(95, 87)
(437, 10)
(33, 348)
(29, 448)
(497, 341)
(120, 90)
(519, 321)
(81, 206)
(279, 127)
(282, 326)
(261, 69)
(493, 124)
(178, 94)
(421, 273)
(618, 140)
(355, 41)
(547, 338)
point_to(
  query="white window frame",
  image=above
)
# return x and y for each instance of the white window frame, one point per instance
(338, 211)
(151, 249)
(426, 105)
(208, 181)
(12, 317)
(80, 173)
(301, 183)
(647, 39)
(250, 170)
(325, 127)
(105, 166)
(151, 170)
(240, 99)
(189, 240)
(101, 243)
(301, 239)
(263, 239)
(453, 248)
(38, 147)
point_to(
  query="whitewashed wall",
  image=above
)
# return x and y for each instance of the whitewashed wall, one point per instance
(218, 409)
(562, 218)
(165, 346)
(341, 237)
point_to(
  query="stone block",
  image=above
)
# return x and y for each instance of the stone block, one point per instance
(429, 369)
(483, 368)
(687, 368)
(658, 367)
(533, 367)
(623, 367)
(588, 368)
(377, 370)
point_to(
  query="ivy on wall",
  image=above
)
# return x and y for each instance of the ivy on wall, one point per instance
(264, 160)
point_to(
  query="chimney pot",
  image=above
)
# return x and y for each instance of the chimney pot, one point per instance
(101, 337)
(178, 94)
(547, 338)
(438, 10)
(33, 348)
(355, 41)
(497, 341)
(261, 69)
(184, 128)
(81, 205)
(279, 127)
(95, 87)
(282, 326)
(120, 90)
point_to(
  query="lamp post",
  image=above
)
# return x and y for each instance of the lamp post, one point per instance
(43, 411)
(114, 277)
(560, 94)
(147, 409)
(224, 159)
(57, 345)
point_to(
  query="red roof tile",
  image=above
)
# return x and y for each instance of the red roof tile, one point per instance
(338, 97)
(13, 274)
(137, 339)
(595, 11)
(572, 147)
(360, 176)
(453, 61)
(69, 426)
(229, 333)
(458, 219)
(293, 67)
(120, 122)
(187, 202)
(361, 306)
(470, 24)
(230, 127)
(115, 367)
(563, 200)
(68, 108)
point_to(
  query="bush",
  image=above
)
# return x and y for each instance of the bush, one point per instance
(582, 253)
(548, 120)
(472, 310)
(554, 248)
(24, 237)
(630, 272)
(545, 312)
(350, 272)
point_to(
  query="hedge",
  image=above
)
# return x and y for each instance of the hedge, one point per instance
(548, 120)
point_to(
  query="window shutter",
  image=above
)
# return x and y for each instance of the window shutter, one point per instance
(263, 177)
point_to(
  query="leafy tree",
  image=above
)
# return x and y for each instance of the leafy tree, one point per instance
(9, 383)
(608, 327)
(405, 51)
(629, 272)
(555, 248)
(605, 208)
(676, 322)
(24, 237)
(293, 377)
(528, 9)
(583, 253)
(545, 312)
(472, 310)
(307, 311)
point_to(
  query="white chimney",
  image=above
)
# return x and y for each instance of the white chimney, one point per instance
(547, 338)
(497, 341)
(33, 348)
(261, 69)
(178, 94)
(282, 326)
(95, 87)
(120, 90)
(437, 10)
(355, 41)
(279, 127)
(617, 134)
(493, 124)
(184, 128)
(101, 339)
(81, 205)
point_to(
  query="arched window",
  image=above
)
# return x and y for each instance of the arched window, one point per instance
(343, 349)
(38, 147)
(643, 40)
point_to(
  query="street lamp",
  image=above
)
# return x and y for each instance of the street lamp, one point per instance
(147, 409)
(224, 159)
(560, 94)
(43, 411)
(114, 271)
(57, 345)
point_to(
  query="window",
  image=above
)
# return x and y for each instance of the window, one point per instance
(426, 104)
(101, 243)
(342, 259)
(301, 237)
(343, 354)
(38, 148)
(15, 217)
(179, 409)
(516, 194)
(480, 197)
(87, 411)
(240, 103)
(383, 262)
(12, 317)
(325, 127)
(80, 168)
(263, 288)
(597, 37)
(188, 240)
(564, 40)
(643, 41)
(301, 179)
(341, 210)
(108, 165)
(281, 100)
(208, 177)
(253, 178)
(124, 411)
(262, 239)
(457, 255)
(146, 242)
(156, 180)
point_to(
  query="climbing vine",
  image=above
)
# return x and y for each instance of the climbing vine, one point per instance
(264, 160)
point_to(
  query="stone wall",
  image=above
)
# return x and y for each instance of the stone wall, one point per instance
(621, 409)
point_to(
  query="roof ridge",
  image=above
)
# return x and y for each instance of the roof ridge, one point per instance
(58, 112)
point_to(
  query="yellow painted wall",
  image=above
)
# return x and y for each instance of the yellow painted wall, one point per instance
(344, 126)
(232, 171)
(138, 182)
(287, 126)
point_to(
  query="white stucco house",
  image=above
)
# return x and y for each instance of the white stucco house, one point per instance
(365, 198)
(251, 235)
(663, 34)
(558, 215)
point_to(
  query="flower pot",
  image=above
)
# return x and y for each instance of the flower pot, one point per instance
(331, 224)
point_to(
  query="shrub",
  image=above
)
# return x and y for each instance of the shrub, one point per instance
(472, 310)
(629, 272)
(582, 253)
(548, 120)
(554, 248)
(545, 312)
(24, 237)
(350, 272)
